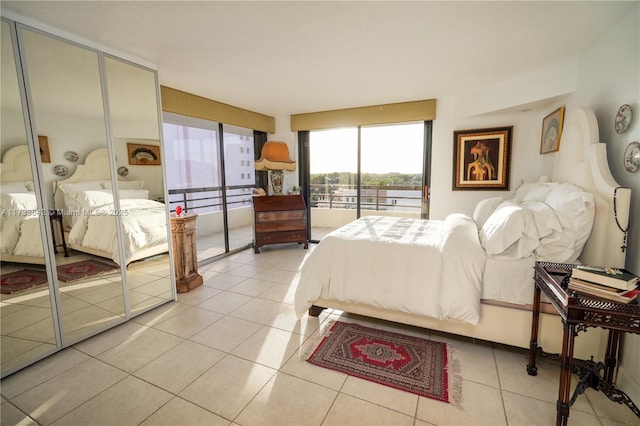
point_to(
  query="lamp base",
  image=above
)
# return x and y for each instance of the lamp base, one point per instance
(277, 180)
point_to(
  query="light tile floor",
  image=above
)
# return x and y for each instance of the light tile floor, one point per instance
(227, 353)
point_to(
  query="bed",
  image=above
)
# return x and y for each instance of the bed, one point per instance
(473, 275)
(20, 238)
(88, 210)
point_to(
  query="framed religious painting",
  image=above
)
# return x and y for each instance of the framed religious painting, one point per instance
(552, 131)
(481, 159)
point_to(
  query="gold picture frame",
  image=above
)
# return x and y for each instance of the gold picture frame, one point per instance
(45, 155)
(552, 131)
(482, 158)
(143, 155)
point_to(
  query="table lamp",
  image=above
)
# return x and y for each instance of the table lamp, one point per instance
(275, 158)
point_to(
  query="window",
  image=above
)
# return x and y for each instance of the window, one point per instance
(367, 170)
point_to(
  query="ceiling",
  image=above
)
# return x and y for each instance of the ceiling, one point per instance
(281, 58)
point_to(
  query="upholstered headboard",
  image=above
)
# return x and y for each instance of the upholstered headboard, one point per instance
(16, 165)
(582, 161)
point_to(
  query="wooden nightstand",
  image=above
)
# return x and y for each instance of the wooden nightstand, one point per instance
(580, 312)
(279, 219)
(55, 217)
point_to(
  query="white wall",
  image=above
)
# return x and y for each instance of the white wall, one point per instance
(609, 76)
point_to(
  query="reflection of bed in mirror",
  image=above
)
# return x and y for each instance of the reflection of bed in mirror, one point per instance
(20, 228)
(89, 213)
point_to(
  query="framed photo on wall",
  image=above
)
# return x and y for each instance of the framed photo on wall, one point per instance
(143, 155)
(481, 158)
(552, 131)
(45, 155)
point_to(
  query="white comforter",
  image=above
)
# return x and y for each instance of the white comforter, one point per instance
(144, 225)
(21, 236)
(431, 268)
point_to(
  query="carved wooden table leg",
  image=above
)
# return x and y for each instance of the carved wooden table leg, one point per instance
(566, 366)
(532, 370)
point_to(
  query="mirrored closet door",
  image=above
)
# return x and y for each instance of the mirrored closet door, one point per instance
(26, 310)
(94, 120)
(135, 130)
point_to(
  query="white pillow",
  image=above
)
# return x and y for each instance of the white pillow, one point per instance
(537, 191)
(575, 210)
(18, 201)
(92, 199)
(89, 200)
(124, 184)
(509, 231)
(544, 218)
(484, 208)
(128, 194)
(16, 187)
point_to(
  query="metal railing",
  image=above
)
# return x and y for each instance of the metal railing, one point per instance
(209, 198)
(330, 196)
(372, 197)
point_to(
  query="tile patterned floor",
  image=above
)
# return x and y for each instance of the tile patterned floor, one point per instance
(227, 353)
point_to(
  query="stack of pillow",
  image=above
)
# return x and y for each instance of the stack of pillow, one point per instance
(551, 221)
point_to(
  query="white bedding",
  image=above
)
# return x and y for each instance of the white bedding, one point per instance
(431, 268)
(20, 236)
(143, 222)
(19, 224)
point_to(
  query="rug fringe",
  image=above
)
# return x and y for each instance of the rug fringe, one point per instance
(310, 345)
(455, 378)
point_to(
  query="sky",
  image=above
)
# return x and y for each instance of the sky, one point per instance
(385, 149)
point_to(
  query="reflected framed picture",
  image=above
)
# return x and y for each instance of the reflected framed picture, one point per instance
(143, 155)
(552, 131)
(45, 155)
(481, 158)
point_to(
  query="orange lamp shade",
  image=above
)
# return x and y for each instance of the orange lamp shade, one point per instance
(275, 156)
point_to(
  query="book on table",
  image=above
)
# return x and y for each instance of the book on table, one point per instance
(603, 292)
(612, 277)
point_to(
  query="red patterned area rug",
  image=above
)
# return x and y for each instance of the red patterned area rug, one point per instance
(25, 279)
(84, 268)
(19, 281)
(408, 363)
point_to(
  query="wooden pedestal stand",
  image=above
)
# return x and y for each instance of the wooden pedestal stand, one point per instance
(185, 255)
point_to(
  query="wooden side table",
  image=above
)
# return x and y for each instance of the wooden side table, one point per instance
(185, 254)
(55, 216)
(578, 313)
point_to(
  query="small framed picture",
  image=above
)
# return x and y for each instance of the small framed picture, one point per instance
(143, 155)
(45, 155)
(552, 131)
(481, 158)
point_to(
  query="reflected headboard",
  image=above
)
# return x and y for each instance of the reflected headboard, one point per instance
(582, 161)
(16, 165)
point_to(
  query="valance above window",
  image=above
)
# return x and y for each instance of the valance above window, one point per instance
(401, 112)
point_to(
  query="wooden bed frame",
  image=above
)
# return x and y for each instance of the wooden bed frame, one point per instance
(582, 161)
(16, 167)
(96, 168)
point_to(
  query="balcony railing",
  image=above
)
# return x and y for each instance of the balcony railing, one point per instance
(372, 197)
(209, 199)
(328, 196)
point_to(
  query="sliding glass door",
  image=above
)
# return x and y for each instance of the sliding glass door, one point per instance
(210, 173)
(367, 170)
